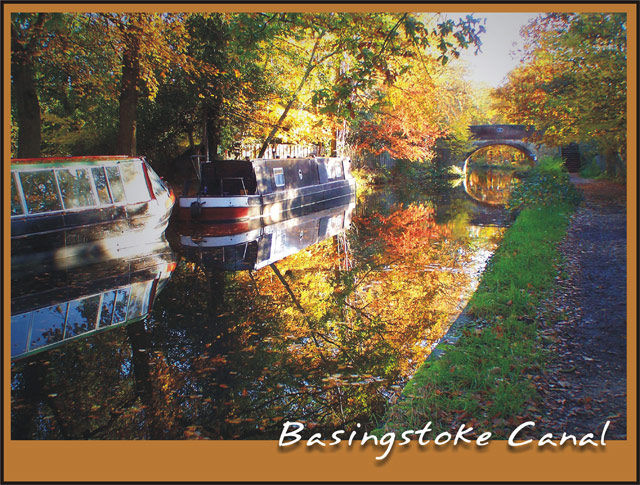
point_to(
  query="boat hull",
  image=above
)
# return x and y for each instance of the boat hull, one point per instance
(86, 237)
(270, 208)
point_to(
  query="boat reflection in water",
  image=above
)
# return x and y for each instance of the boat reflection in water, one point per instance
(490, 186)
(49, 308)
(234, 247)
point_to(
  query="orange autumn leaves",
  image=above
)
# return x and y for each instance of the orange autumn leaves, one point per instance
(572, 83)
(382, 313)
(409, 229)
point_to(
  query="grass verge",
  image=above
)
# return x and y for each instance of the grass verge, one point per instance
(484, 381)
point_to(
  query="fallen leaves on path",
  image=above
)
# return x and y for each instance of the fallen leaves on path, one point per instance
(583, 323)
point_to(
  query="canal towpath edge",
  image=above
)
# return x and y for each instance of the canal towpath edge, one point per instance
(581, 322)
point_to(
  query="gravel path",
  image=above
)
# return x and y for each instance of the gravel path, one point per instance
(585, 383)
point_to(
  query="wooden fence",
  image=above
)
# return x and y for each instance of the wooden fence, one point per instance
(286, 150)
(370, 160)
(282, 150)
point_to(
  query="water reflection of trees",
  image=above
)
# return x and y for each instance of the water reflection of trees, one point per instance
(490, 185)
(500, 155)
(326, 337)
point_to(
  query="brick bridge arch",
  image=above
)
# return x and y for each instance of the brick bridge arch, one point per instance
(515, 136)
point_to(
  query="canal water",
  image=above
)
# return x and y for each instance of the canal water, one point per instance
(320, 319)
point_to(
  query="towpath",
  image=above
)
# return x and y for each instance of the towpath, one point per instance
(585, 325)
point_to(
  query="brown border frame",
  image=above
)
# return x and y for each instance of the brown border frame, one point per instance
(262, 460)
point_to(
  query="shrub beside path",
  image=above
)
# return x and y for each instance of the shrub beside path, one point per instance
(584, 322)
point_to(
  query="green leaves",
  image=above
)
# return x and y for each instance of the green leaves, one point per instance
(574, 82)
(544, 185)
(236, 73)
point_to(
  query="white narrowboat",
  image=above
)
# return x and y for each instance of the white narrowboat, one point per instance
(84, 208)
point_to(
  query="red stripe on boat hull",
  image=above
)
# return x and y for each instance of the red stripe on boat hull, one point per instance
(213, 214)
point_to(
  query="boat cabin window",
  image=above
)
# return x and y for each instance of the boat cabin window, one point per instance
(115, 183)
(82, 316)
(278, 175)
(102, 188)
(135, 185)
(156, 183)
(334, 169)
(40, 191)
(120, 307)
(19, 333)
(75, 187)
(106, 312)
(16, 202)
(45, 326)
(139, 300)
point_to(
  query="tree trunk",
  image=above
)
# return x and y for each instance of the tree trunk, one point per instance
(334, 144)
(27, 104)
(28, 110)
(126, 144)
(611, 160)
(205, 137)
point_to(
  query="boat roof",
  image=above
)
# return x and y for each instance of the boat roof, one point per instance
(80, 159)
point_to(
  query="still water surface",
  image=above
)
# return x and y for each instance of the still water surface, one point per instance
(320, 320)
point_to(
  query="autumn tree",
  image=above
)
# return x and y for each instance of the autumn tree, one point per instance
(28, 41)
(428, 104)
(148, 47)
(338, 59)
(572, 85)
(208, 80)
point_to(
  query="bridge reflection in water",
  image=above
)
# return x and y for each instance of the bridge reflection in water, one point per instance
(491, 186)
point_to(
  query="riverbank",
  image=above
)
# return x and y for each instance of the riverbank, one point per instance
(486, 380)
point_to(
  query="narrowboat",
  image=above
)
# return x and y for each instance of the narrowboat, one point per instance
(84, 207)
(259, 247)
(243, 190)
(74, 302)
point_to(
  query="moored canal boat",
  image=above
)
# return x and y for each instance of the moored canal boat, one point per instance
(242, 190)
(84, 208)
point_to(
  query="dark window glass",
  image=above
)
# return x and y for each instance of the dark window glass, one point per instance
(117, 189)
(19, 333)
(75, 188)
(278, 175)
(120, 308)
(16, 206)
(106, 313)
(47, 326)
(100, 181)
(40, 191)
(82, 316)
